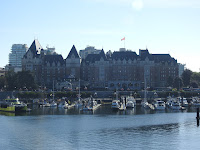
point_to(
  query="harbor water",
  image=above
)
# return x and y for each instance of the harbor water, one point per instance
(59, 129)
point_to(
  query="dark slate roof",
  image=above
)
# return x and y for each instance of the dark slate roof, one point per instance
(163, 58)
(53, 58)
(157, 58)
(102, 55)
(144, 54)
(35, 48)
(73, 52)
(124, 55)
(95, 57)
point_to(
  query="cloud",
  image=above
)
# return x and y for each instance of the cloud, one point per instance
(137, 4)
(172, 3)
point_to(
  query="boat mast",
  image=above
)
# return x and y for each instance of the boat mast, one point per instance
(116, 94)
(145, 89)
(53, 90)
(79, 92)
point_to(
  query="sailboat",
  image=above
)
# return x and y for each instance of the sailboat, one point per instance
(79, 103)
(115, 103)
(53, 103)
(144, 103)
(130, 101)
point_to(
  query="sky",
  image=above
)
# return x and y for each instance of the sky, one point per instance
(163, 26)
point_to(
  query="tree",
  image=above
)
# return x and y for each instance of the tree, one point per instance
(195, 77)
(25, 79)
(20, 80)
(186, 77)
(178, 83)
(194, 84)
(170, 81)
(2, 82)
(10, 80)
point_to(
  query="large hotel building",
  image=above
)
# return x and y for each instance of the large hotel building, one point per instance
(96, 70)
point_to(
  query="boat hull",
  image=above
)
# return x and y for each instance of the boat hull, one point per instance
(13, 109)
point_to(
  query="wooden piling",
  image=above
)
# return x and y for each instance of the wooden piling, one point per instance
(197, 117)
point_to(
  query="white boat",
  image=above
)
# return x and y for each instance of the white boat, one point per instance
(195, 102)
(122, 106)
(145, 104)
(130, 104)
(91, 105)
(115, 104)
(63, 105)
(159, 105)
(184, 102)
(47, 104)
(169, 101)
(175, 105)
(53, 104)
(79, 103)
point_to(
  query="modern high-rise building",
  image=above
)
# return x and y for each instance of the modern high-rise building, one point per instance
(88, 50)
(181, 68)
(16, 55)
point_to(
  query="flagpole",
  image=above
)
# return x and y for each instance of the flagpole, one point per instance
(124, 43)
(123, 39)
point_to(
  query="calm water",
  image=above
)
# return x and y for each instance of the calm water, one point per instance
(47, 128)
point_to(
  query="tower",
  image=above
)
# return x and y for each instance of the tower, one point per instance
(73, 63)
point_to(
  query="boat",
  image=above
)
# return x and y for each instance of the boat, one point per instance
(175, 105)
(195, 102)
(63, 105)
(183, 101)
(115, 104)
(12, 105)
(159, 105)
(91, 105)
(130, 104)
(79, 103)
(47, 104)
(122, 106)
(53, 104)
(145, 104)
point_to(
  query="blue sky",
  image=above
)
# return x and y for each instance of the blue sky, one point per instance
(163, 26)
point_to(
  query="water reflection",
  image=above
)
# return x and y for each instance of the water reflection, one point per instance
(7, 113)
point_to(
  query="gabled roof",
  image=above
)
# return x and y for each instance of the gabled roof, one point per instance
(35, 48)
(96, 57)
(73, 52)
(143, 54)
(102, 55)
(124, 55)
(53, 58)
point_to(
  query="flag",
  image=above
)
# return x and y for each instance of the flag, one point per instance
(123, 39)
